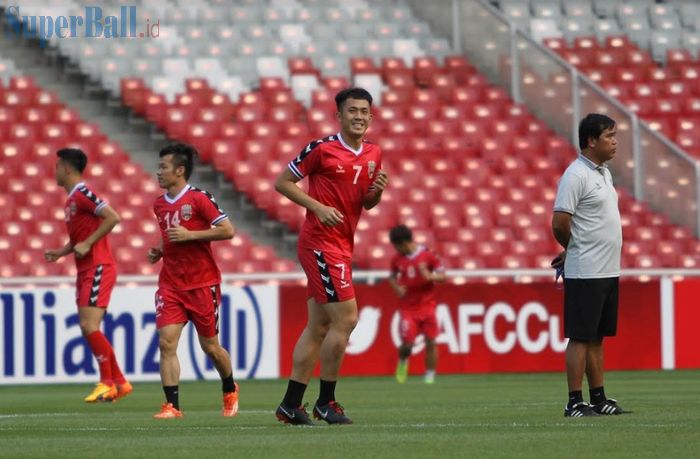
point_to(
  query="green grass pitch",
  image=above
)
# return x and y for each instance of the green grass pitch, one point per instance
(476, 416)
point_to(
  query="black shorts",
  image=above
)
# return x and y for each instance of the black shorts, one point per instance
(590, 308)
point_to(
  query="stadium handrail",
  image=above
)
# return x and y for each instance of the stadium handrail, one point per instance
(512, 33)
(369, 276)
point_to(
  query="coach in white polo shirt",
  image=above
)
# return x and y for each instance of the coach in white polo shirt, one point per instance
(586, 223)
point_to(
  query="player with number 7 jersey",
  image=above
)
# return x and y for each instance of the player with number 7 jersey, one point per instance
(345, 175)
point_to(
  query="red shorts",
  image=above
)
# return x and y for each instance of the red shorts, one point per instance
(418, 322)
(199, 305)
(328, 274)
(93, 287)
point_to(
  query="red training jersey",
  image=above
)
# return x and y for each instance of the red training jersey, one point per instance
(82, 212)
(339, 177)
(188, 265)
(420, 293)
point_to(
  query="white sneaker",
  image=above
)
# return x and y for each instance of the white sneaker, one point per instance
(429, 377)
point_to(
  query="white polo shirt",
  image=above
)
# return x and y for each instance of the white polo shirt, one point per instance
(586, 192)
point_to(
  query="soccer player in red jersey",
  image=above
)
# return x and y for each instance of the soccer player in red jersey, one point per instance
(88, 220)
(188, 286)
(414, 271)
(345, 176)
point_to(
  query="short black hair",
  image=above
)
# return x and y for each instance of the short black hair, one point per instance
(400, 234)
(183, 155)
(352, 93)
(592, 126)
(74, 157)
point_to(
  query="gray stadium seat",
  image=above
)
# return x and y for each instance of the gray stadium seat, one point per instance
(691, 41)
(303, 86)
(625, 11)
(575, 27)
(517, 12)
(330, 65)
(416, 29)
(689, 13)
(662, 41)
(377, 49)
(7, 70)
(408, 48)
(541, 28)
(272, 67)
(372, 82)
(546, 10)
(665, 22)
(578, 8)
(436, 47)
(605, 8)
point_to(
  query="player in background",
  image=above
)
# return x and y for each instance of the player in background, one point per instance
(345, 176)
(88, 220)
(414, 272)
(188, 285)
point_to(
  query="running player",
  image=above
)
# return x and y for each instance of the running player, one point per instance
(188, 286)
(345, 176)
(89, 219)
(414, 272)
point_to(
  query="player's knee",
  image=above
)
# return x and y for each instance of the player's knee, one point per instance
(211, 349)
(167, 345)
(348, 323)
(87, 327)
(319, 331)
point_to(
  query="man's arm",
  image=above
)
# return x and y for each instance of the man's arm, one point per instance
(375, 194)
(561, 227)
(286, 184)
(399, 289)
(55, 254)
(434, 276)
(155, 253)
(110, 219)
(219, 232)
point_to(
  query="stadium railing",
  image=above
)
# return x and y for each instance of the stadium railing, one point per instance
(652, 167)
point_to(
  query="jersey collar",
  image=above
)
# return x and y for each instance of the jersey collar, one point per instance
(170, 200)
(77, 185)
(419, 249)
(357, 152)
(591, 164)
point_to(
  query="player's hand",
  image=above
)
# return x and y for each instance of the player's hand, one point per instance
(178, 234)
(401, 290)
(154, 254)
(329, 216)
(52, 255)
(558, 261)
(81, 249)
(425, 272)
(380, 182)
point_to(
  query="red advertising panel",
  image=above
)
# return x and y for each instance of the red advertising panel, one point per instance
(687, 318)
(483, 328)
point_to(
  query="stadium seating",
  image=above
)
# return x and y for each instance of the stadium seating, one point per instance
(33, 125)
(473, 173)
(666, 97)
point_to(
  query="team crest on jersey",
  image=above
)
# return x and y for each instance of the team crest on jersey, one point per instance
(186, 212)
(371, 165)
(72, 209)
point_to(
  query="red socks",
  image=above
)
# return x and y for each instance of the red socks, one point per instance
(102, 350)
